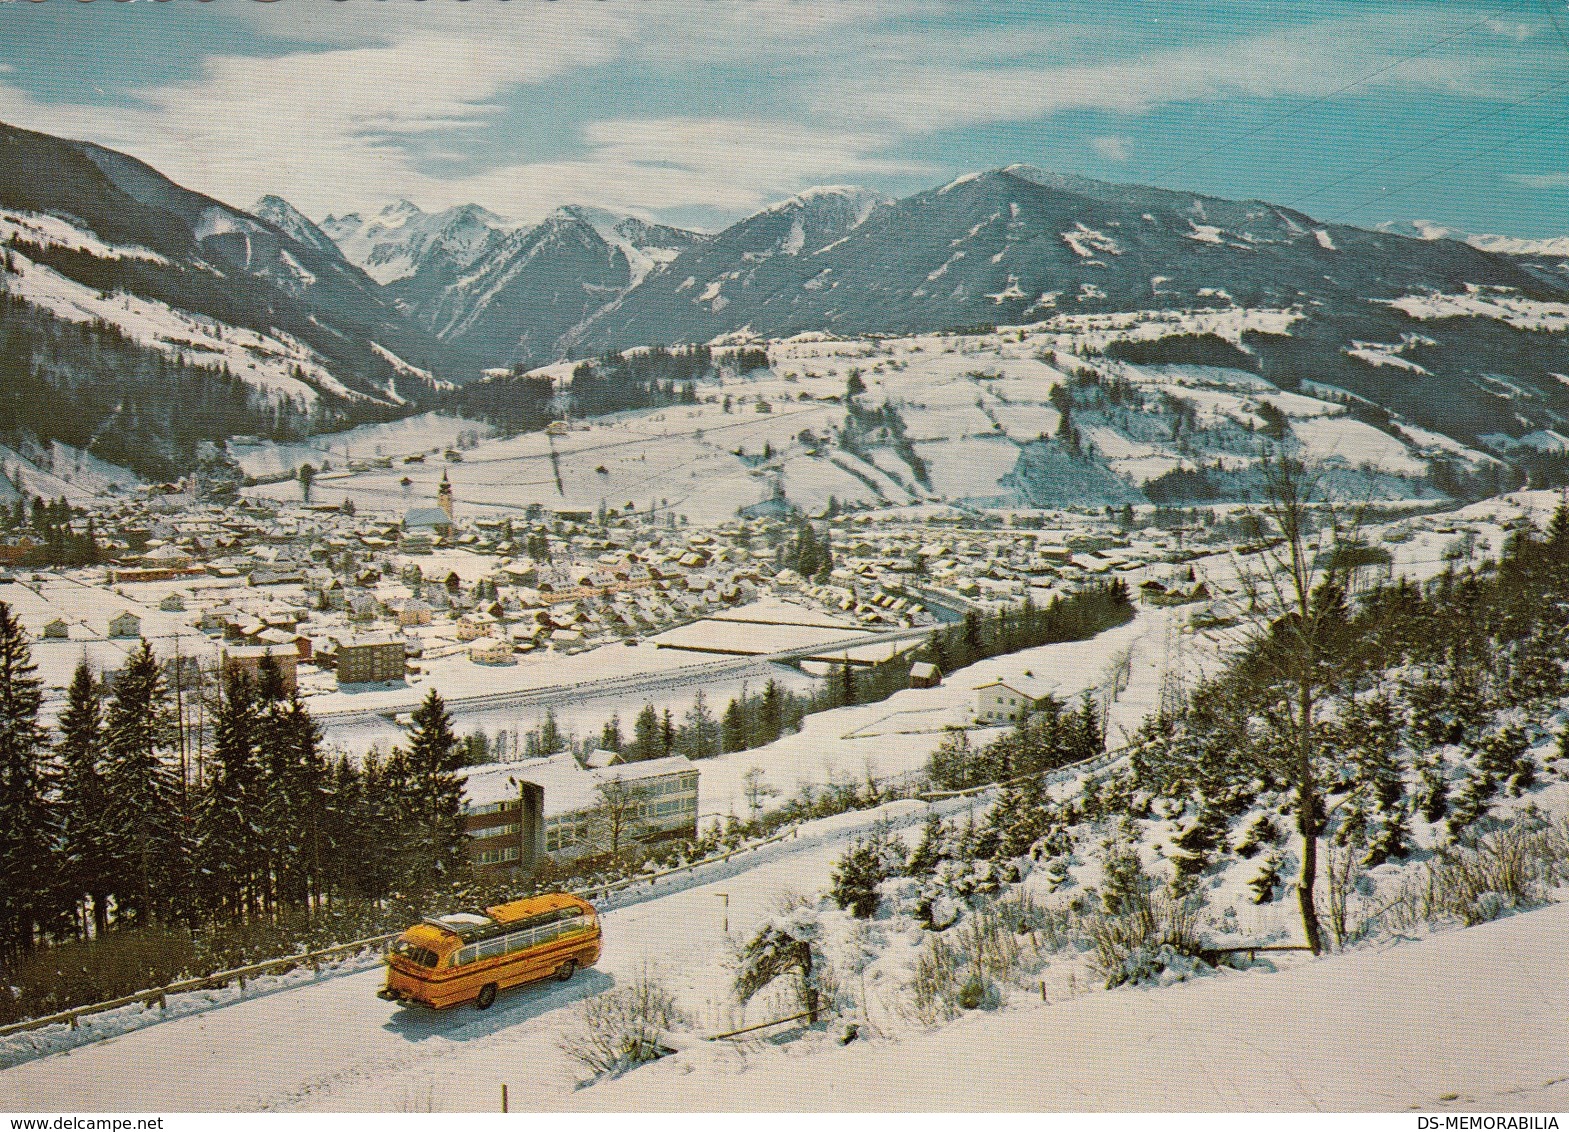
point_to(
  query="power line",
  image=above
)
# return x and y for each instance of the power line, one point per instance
(1450, 167)
(1304, 107)
(1354, 174)
(1557, 27)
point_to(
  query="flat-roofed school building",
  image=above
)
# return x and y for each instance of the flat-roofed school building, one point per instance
(517, 814)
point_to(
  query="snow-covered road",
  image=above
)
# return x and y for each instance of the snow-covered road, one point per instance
(334, 1046)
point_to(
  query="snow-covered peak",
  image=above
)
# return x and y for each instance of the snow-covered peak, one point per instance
(1068, 182)
(1420, 230)
(294, 223)
(809, 220)
(1513, 245)
(830, 201)
(1499, 245)
(645, 244)
(395, 242)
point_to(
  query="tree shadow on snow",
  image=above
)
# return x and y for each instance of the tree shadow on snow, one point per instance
(520, 1004)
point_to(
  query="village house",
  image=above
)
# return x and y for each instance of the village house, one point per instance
(1008, 701)
(491, 650)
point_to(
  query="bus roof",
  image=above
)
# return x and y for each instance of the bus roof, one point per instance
(533, 906)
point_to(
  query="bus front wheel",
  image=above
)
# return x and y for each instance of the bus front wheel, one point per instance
(487, 997)
(566, 970)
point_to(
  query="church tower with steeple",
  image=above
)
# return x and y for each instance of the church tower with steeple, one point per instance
(444, 495)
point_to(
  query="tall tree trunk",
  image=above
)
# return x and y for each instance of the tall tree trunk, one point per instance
(1307, 823)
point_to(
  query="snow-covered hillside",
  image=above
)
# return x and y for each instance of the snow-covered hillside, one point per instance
(972, 418)
(59, 471)
(278, 365)
(1469, 1021)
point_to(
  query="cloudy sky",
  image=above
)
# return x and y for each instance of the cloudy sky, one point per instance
(700, 111)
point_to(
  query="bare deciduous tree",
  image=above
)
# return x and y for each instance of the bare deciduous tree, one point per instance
(1303, 581)
(617, 818)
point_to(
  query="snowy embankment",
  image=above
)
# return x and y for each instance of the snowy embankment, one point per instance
(1467, 1020)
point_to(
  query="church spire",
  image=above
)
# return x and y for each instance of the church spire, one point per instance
(444, 495)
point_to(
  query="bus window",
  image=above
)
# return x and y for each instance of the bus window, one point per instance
(492, 948)
(414, 954)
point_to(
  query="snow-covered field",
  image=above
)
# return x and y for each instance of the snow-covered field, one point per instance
(423, 434)
(967, 404)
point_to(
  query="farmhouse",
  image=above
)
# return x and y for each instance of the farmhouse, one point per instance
(1009, 701)
(125, 625)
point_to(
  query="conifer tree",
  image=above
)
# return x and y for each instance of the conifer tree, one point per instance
(847, 695)
(856, 876)
(28, 833)
(645, 734)
(296, 801)
(434, 794)
(929, 851)
(733, 731)
(699, 731)
(770, 714)
(147, 825)
(231, 843)
(83, 799)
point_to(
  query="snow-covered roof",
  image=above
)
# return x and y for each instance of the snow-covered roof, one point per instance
(427, 517)
(568, 786)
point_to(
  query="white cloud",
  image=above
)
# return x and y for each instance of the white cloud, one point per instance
(1541, 180)
(359, 115)
(728, 165)
(1516, 30)
(1301, 62)
(1112, 147)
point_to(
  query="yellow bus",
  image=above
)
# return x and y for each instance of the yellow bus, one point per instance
(469, 956)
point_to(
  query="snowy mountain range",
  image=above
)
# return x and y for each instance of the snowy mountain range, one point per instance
(496, 292)
(369, 314)
(1009, 246)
